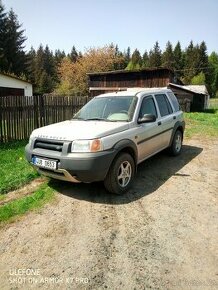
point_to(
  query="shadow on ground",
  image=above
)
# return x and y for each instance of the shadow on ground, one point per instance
(151, 174)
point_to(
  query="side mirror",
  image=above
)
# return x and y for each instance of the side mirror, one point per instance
(147, 118)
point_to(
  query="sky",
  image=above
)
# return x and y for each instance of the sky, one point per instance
(134, 23)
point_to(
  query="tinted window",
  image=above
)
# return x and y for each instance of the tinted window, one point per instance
(174, 101)
(163, 104)
(147, 107)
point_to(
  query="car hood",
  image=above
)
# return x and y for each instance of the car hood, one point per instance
(73, 129)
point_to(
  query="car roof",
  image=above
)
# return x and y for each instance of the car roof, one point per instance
(136, 91)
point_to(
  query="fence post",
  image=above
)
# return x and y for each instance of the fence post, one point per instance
(36, 111)
(41, 111)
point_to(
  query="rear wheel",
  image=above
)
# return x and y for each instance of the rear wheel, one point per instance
(120, 175)
(176, 146)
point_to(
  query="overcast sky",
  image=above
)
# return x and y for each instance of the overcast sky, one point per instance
(135, 23)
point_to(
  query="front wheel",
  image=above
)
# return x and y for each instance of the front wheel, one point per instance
(176, 145)
(120, 174)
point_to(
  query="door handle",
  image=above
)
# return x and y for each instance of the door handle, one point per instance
(174, 117)
(159, 123)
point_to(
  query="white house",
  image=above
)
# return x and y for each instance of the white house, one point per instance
(13, 86)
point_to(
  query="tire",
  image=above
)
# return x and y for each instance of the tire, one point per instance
(176, 146)
(120, 174)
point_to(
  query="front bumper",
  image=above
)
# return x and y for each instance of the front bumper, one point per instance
(74, 167)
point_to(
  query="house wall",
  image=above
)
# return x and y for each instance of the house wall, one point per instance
(10, 82)
(182, 95)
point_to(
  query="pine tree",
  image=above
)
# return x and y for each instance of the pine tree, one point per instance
(127, 55)
(136, 61)
(3, 23)
(178, 59)
(73, 54)
(190, 69)
(38, 70)
(155, 56)
(58, 56)
(49, 62)
(168, 56)
(31, 58)
(145, 59)
(45, 72)
(213, 73)
(214, 86)
(121, 64)
(14, 42)
(196, 61)
(203, 62)
(203, 58)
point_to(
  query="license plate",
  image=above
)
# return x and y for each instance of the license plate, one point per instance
(45, 163)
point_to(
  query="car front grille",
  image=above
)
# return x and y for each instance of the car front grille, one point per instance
(49, 145)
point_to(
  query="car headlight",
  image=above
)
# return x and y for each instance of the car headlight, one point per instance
(94, 145)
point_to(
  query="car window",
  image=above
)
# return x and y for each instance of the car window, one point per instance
(148, 107)
(174, 101)
(163, 104)
(111, 108)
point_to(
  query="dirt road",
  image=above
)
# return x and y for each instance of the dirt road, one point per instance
(161, 235)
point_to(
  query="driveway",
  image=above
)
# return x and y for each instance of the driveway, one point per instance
(161, 235)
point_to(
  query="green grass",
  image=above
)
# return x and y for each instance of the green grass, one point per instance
(202, 123)
(213, 103)
(14, 169)
(20, 206)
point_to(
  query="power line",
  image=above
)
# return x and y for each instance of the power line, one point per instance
(191, 69)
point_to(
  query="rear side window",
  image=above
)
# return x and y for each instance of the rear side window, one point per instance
(163, 104)
(174, 101)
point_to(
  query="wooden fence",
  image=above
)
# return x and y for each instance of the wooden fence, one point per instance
(19, 115)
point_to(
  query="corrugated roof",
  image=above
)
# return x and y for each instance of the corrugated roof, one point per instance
(198, 89)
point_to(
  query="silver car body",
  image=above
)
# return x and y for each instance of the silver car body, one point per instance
(142, 139)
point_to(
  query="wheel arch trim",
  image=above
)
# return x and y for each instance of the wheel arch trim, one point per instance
(179, 125)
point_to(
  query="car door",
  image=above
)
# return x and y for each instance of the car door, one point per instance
(166, 120)
(148, 140)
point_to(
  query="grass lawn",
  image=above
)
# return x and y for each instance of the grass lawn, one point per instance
(213, 103)
(16, 172)
(202, 124)
(14, 169)
(20, 206)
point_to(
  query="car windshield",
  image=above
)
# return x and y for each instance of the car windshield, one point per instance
(112, 109)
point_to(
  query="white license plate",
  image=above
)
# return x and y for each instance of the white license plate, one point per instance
(45, 163)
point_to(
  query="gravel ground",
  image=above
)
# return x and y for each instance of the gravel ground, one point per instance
(161, 235)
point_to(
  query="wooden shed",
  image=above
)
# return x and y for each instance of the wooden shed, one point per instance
(103, 82)
(191, 97)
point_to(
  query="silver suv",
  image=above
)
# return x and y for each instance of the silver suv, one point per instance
(109, 137)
